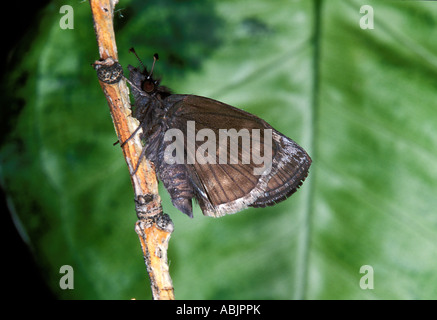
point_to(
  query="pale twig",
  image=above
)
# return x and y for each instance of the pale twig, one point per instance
(153, 227)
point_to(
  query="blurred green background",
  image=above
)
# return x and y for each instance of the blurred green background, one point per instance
(362, 102)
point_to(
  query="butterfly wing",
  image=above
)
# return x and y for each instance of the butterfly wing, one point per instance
(223, 182)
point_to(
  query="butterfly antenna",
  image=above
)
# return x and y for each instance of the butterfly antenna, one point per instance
(155, 58)
(138, 58)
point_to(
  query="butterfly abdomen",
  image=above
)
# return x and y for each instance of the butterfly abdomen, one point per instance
(176, 181)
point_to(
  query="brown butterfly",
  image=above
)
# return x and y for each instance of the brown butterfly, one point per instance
(225, 158)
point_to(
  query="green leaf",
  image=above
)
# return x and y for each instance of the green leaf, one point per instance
(360, 101)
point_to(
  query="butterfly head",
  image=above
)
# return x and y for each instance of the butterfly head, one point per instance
(144, 80)
(150, 85)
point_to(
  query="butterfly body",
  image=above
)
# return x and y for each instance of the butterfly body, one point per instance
(259, 168)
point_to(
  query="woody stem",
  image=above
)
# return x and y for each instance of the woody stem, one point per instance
(153, 227)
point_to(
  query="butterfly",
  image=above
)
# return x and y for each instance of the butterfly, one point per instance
(223, 157)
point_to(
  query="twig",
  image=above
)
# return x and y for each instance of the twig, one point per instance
(153, 227)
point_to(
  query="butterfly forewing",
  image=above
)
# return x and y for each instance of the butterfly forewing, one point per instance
(225, 185)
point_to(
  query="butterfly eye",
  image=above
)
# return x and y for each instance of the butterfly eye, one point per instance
(148, 86)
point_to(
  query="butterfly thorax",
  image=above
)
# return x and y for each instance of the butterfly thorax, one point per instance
(147, 91)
